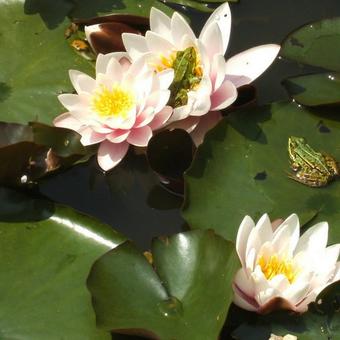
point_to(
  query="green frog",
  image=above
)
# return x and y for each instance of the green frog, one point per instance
(310, 167)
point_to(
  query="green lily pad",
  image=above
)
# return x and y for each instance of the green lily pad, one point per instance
(170, 299)
(321, 322)
(316, 44)
(315, 89)
(34, 61)
(46, 253)
(242, 169)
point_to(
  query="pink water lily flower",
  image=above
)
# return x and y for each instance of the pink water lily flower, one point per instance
(124, 105)
(280, 269)
(216, 80)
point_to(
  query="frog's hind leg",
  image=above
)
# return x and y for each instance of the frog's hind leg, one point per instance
(332, 164)
(309, 180)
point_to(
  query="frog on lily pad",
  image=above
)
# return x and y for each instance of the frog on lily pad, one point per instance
(312, 168)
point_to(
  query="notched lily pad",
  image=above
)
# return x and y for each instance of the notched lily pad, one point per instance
(170, 299)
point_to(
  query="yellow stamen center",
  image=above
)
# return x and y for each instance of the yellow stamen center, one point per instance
(274, 265)
(117, 101)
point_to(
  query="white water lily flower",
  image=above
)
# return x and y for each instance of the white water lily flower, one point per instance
(214, 81)
(280, 269)
(123, 106)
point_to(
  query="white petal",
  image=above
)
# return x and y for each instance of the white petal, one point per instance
(212, 40)
(160, 23)
(297, 292)
(221, 16)
(200, 103)
(264, 229)
(82, 82)
(165, 78)
(104, 59)
(158, 100)
(135, 45)
(67, 121)
(140, 136)
(250, 64)
(161, 118)
(180, 113)
(74, 101)
(110, 154)
(314, 239)
(157, 44)
(286, 236)
(217, 73)
(244, 230)
(180, 28)
(224, 96)
(279, 282)
(114, 70)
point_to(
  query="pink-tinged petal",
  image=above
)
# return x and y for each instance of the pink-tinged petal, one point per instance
(212, 40)
(82, 82)
(206, 123)
(110, 154)
(101, 129)
(244, 282)
(297, 292)
(180, 28)
(118, 136)
(135, 45)
(67, 121)
(224, 96)
(165, 77)
(187, 124)
(157, 44)
(242, 303)
(221, 16)
(145, 117)
(161, 118)
(160, 23)
(286, 236)
(217, 73)
(246, 66)
(140, 136)
(244, 230)
(314, 239)
(90, 137)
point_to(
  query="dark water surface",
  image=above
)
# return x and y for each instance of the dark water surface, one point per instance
(129, 198)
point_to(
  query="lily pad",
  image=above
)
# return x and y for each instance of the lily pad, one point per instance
(29, 152)
(316, 44)
(46, 253)
(170, 299)
(315, 90)
(242, 169)
(34, 61)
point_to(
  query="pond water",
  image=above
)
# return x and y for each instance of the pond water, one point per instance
(129, 198)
